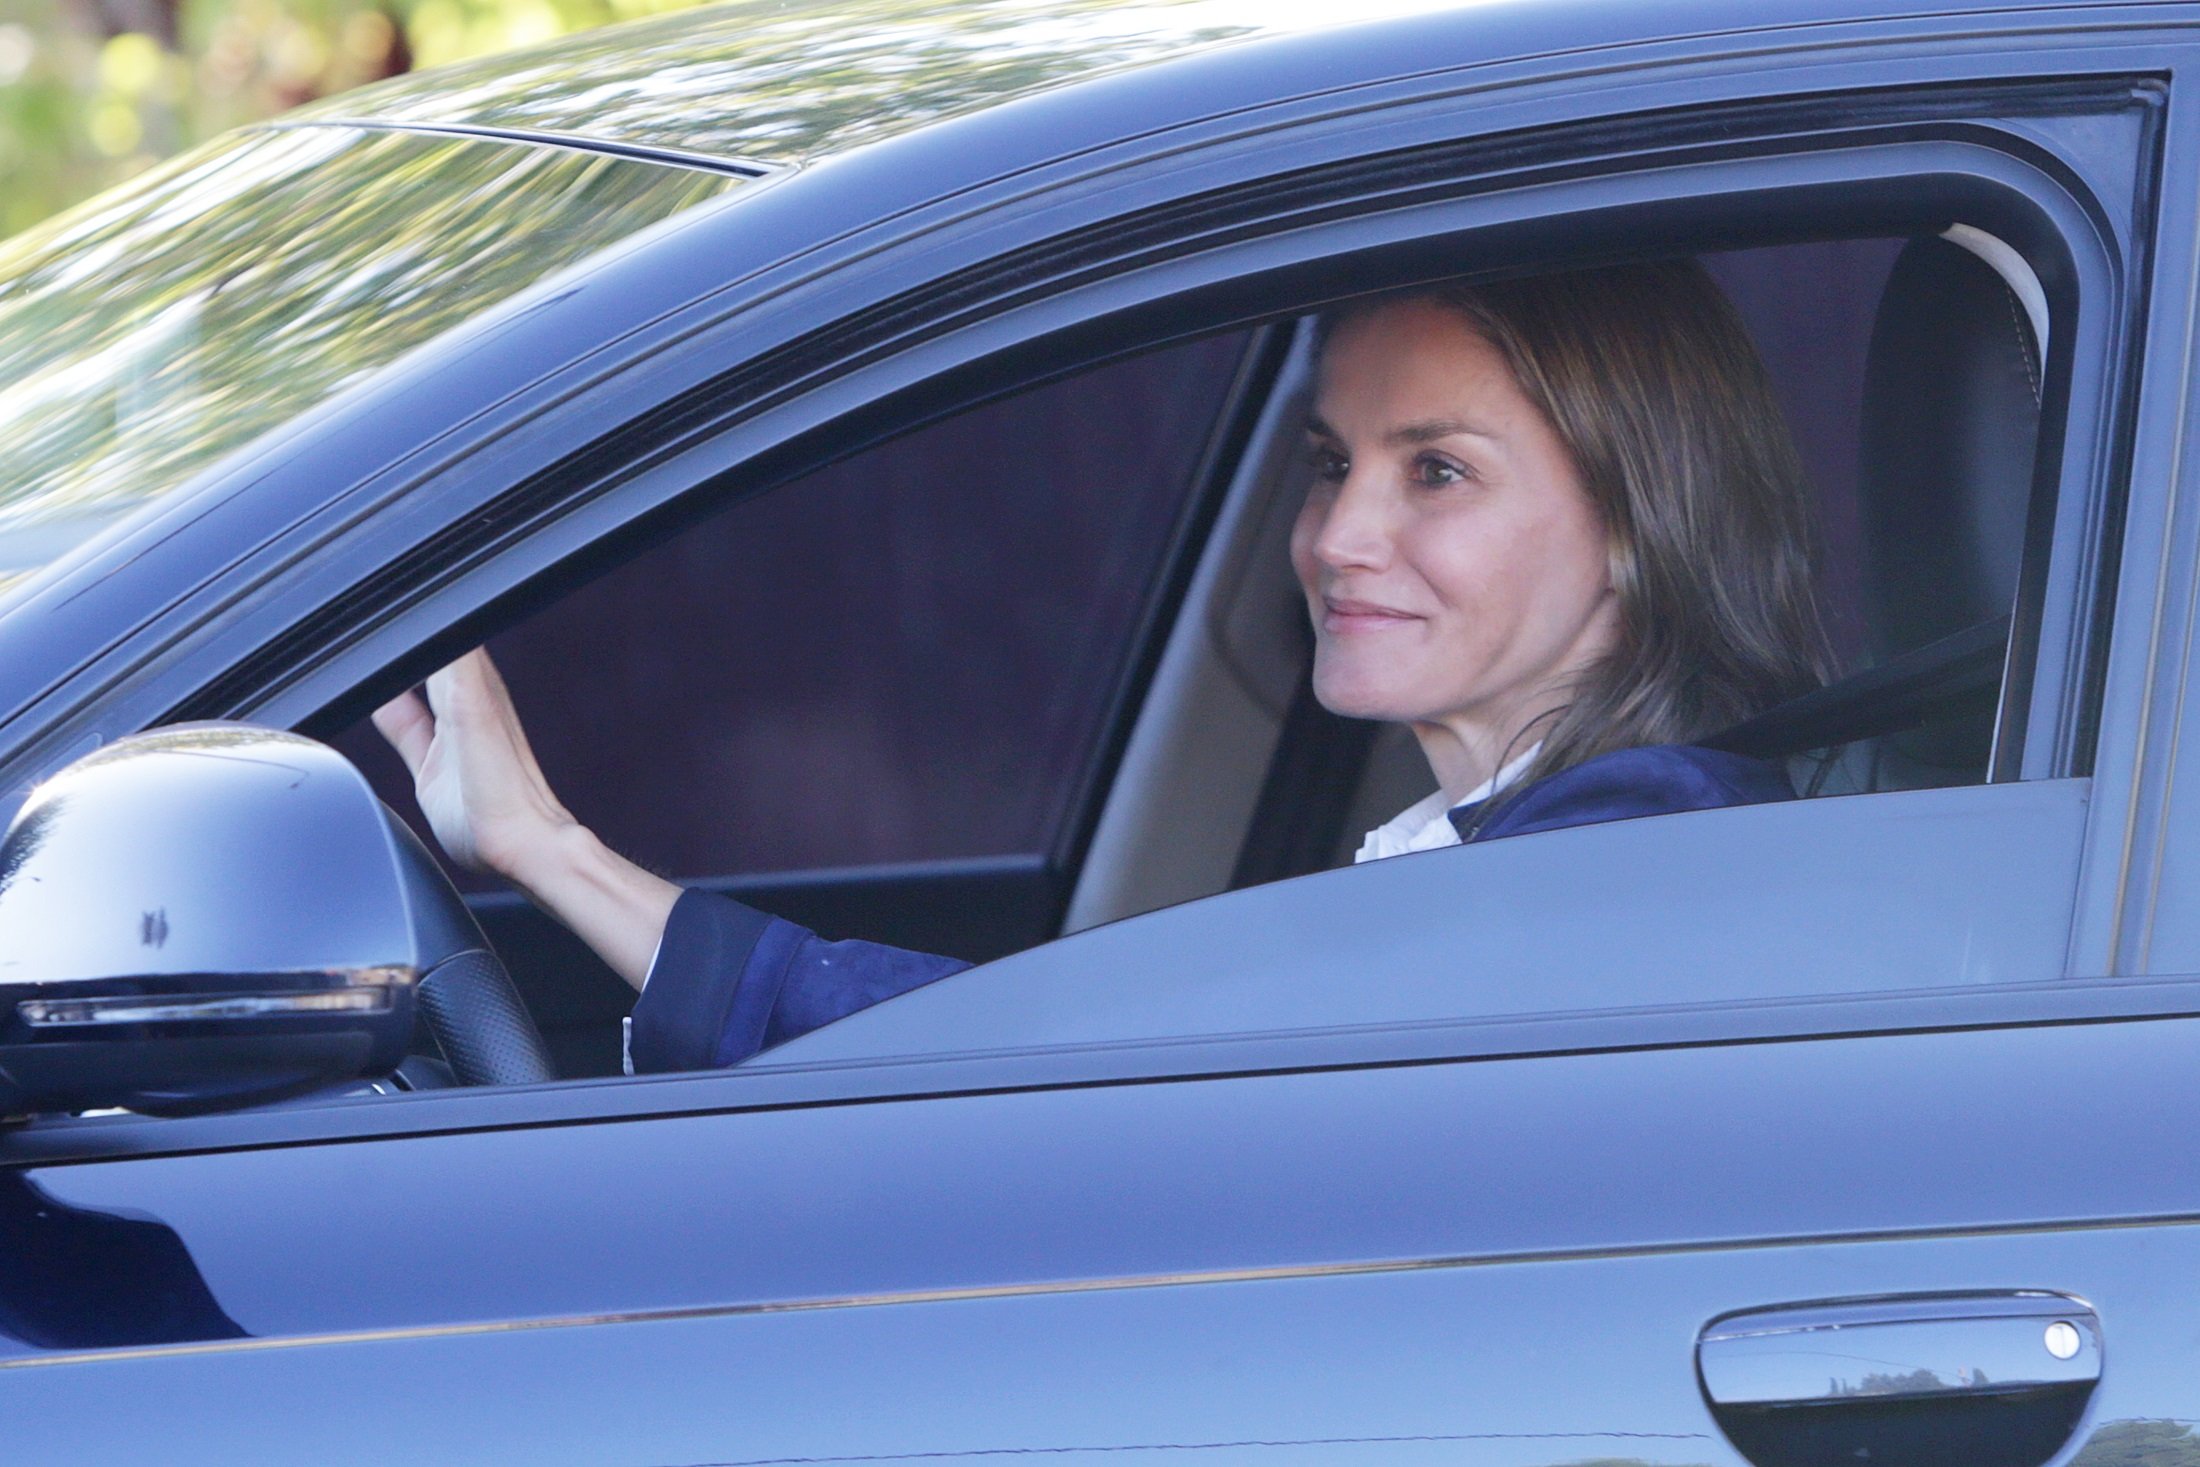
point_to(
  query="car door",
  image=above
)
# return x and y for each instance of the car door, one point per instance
(1508, 1262)
(1475, 1155)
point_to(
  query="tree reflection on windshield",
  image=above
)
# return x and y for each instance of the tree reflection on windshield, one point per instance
(161, 326)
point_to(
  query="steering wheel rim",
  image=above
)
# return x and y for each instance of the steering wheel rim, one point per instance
(472, 1008)
(466, 997)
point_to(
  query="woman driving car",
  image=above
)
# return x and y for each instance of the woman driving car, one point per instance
(1555, 526)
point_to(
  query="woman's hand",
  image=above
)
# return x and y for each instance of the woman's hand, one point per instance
(478, 783)
(490, 807)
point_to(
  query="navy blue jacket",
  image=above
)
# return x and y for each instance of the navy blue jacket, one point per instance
(729, 980)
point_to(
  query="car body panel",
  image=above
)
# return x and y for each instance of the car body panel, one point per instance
(1515, 1364)
(1297, 1264)
(1963, 886)
(1064, 1188)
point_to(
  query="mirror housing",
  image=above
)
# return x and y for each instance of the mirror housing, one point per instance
(207, 916)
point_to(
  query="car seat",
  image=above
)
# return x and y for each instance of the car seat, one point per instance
(1950, 427)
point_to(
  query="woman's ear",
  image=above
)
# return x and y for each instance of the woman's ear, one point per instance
(1619, 564)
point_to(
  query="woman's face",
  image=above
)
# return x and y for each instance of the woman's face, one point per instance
(1455, 569)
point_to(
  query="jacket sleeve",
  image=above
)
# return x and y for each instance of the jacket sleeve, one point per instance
(729, 981)
(1662, 779)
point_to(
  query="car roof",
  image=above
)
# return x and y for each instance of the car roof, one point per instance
(774, 84)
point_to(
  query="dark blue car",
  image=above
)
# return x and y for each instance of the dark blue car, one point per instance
(868, 437)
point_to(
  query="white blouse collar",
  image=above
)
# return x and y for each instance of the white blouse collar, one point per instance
(1426, 824)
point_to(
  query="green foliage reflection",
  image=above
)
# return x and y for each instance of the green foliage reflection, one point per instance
(763, 79)
(163, 325)
(93, 92)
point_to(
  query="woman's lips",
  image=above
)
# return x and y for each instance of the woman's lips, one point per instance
(1348, 616)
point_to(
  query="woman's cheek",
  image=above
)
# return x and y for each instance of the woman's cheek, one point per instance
(1305, 530)
(1466, 558)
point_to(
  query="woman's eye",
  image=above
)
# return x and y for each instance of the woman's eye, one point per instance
(1329, 465)
(1434, 469)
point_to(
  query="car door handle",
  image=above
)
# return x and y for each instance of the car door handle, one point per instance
(1989, 1380)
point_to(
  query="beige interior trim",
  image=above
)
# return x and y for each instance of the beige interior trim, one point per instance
(1192, 771)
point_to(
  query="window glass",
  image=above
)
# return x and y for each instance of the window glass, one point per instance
(1809, 309)
(905, 657)
(162, 325)
(1788, 901)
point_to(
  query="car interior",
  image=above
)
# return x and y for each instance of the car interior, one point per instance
(1042, 665)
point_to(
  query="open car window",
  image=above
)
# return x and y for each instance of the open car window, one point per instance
(900, 669)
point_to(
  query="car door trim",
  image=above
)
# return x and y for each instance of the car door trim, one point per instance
(1104, 1285)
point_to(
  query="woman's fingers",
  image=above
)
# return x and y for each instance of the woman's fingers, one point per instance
(474, 715)
(408, 725)
(462, 689)
(477, 781)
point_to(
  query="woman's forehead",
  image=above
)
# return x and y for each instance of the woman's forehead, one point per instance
(1402, 369)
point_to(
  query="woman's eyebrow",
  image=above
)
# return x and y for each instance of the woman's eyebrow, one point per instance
(1428, 430)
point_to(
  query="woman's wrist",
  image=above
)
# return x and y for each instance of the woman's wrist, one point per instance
(553, 856)
(616, 907)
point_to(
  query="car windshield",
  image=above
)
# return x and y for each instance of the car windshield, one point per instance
(152, 331)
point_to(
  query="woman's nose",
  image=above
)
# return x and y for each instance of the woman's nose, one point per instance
(1356, 532)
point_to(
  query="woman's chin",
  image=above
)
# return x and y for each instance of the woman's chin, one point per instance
(1350, 698)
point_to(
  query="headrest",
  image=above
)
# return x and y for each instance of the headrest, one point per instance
(1950, 422)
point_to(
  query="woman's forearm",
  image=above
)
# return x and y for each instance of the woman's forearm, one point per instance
(610, 903)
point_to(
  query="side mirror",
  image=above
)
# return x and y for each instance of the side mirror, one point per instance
(207, 916)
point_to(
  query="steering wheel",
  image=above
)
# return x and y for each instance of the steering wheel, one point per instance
(467, 999)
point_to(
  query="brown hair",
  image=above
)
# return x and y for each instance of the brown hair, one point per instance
(1651, 381)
